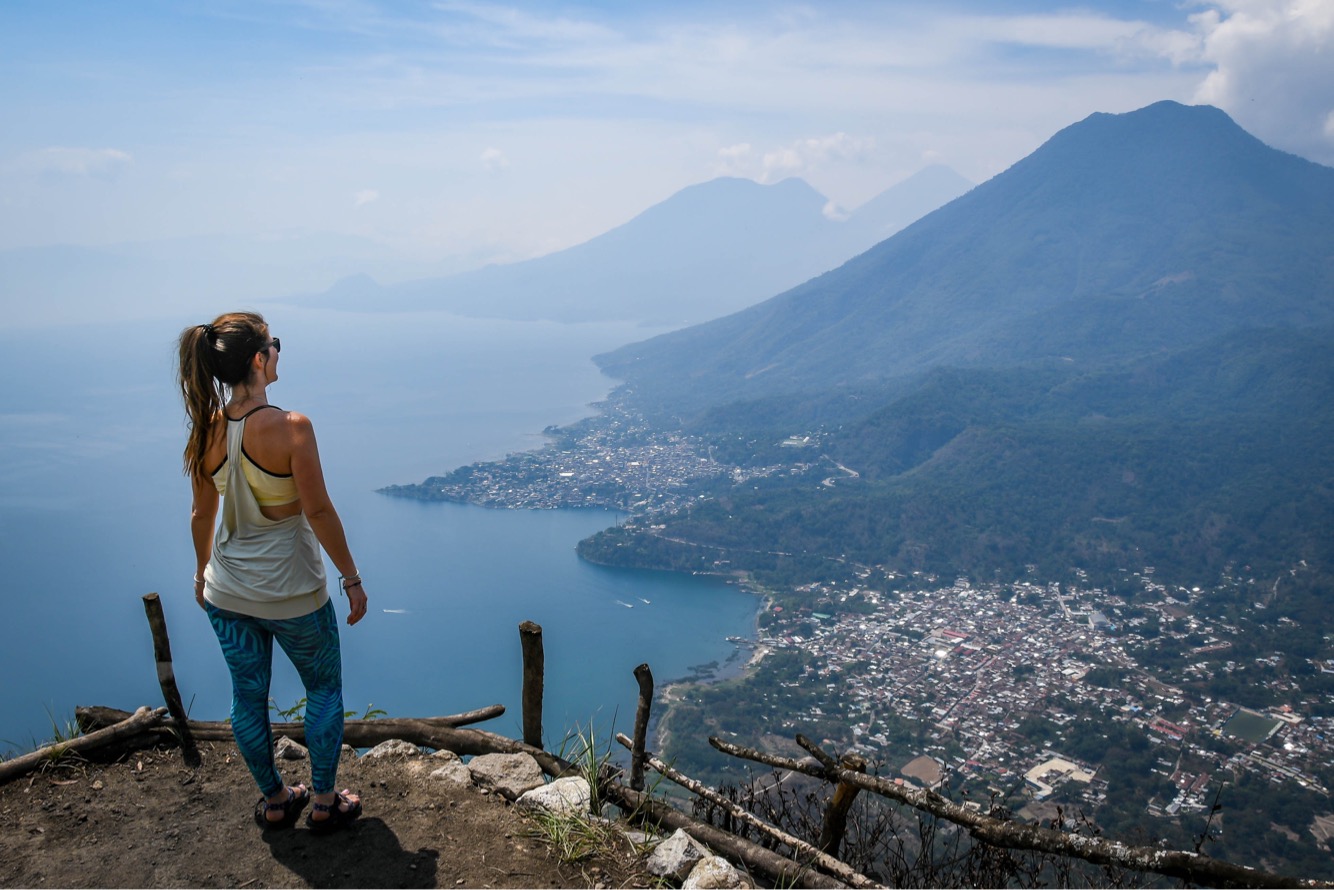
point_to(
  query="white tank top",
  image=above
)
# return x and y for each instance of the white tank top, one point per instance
(267, 568)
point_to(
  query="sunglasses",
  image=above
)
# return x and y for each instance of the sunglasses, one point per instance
(276, 345)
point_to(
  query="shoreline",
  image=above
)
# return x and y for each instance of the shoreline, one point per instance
(658, 735)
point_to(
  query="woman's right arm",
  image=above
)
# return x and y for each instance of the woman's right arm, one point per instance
(203, 513)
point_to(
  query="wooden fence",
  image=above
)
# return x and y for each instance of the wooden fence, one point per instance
(804, 863)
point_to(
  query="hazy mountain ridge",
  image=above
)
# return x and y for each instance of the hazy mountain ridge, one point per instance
(1009, 396)
(710, 249)
(1110, 240)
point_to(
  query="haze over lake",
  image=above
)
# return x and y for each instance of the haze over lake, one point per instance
(94, 513)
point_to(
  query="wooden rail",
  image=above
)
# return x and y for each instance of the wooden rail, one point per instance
(810, 865)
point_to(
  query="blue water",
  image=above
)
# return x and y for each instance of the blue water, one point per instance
(94, 514)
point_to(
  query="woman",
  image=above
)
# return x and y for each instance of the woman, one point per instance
(261, 577)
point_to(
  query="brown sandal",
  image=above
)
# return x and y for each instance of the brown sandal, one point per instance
(338, 817)
(291, 809)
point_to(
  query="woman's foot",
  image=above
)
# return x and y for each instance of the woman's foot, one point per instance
(281, 810)
(332, 811)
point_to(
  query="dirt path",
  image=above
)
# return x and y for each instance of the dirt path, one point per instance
(148, 821)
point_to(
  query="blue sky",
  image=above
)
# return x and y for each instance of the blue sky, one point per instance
(500, 131)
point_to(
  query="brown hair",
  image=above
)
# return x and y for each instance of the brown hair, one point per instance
(214, 358)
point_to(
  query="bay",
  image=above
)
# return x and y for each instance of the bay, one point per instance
(94, 514)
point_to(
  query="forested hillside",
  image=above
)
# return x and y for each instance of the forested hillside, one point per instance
(1117, 353)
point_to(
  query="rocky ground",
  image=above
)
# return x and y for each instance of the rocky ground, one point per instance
(148, 821)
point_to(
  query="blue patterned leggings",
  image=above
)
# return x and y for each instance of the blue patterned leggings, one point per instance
(311, 642)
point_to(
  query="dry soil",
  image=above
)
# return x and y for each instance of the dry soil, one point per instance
(148, 821)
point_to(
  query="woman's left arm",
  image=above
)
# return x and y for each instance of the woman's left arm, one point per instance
(319, 509)
(203, 513)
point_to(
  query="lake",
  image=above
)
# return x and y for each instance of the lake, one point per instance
(94, 513)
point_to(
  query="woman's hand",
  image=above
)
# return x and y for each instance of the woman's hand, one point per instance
(199, 592)
(356, 598)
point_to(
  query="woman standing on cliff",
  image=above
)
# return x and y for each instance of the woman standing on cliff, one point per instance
(261, 576)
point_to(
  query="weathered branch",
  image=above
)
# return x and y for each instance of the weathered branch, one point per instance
(134, 724)
(166, 677)
(783, 871)
(358, 733)
(808, 853)
(1189, 866)
(644, 677)
(835, 822)
(430, 732)
(814, 750)
(534, 666)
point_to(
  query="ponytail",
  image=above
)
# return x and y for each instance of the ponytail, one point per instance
(213, 358)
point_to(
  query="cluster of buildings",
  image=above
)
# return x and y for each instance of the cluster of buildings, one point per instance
(620, 462)
(1005, 679)
(976, 663)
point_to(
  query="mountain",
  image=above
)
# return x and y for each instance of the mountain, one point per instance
(1118, 353)
(710, 249)
(899, 206)
(1122, 236)
(1219, 454)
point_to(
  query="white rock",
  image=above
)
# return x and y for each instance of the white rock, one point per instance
(570, 795)
(453, 774)
(675, 857)
(421, 767)
(508, 774)
(640, 838)
(286, 749)
(713, 873)
(393, 748)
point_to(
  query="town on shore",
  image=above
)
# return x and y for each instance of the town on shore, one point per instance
(1022, 689)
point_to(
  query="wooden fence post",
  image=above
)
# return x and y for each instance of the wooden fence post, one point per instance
(645, 678)
(166, 678)
(534, 664)
(836, 816)
(801, 851)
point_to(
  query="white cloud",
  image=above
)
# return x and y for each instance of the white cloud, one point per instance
(1273, 69)
(832, 211)
(604, 109)
(1087, 31)
(836, 147)
(494, 160)
(798, 158)
(506, 26)
(59, 160)
(734, 160)
(735, 153)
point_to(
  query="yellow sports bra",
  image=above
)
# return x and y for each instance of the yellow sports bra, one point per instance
(271, 489)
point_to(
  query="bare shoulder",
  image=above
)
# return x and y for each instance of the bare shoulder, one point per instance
(215, 448)
(217, 429)
(298, 425)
